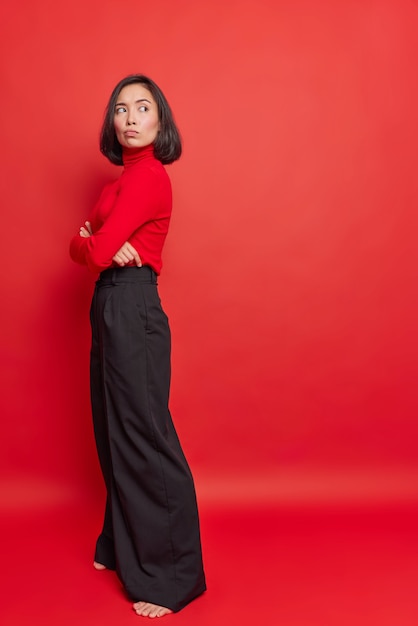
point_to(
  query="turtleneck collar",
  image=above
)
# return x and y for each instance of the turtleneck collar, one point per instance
(131, 157)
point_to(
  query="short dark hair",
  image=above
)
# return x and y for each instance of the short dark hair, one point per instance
(167, 146)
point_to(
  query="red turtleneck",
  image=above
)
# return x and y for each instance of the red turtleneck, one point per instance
(134, 208)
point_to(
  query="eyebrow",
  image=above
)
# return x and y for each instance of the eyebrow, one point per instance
(118, 104)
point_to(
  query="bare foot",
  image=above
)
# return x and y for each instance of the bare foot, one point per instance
(147, 609)
(98, 566)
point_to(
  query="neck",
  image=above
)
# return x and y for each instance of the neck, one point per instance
(130, 156)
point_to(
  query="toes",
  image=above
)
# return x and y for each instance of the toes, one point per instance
(146, 612)
(159, 611)
(154, 611)
(138, 605)
(147, 609)
(143, 608)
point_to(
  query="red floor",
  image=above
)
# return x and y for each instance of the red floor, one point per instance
(281, 565)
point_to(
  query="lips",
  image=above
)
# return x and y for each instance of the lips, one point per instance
(130, 133)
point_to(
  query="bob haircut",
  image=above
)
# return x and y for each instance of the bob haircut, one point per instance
(167, 145)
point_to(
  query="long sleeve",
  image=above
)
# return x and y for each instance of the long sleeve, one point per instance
(132, 209)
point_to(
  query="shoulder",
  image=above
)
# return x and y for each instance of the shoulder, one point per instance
(154, 167)
(149, 172)
(146, 183)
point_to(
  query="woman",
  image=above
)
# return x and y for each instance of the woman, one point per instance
(150, 533)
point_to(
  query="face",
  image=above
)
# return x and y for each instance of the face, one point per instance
(136, 117)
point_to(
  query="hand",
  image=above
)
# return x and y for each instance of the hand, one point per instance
(126, 254)
(86, 231)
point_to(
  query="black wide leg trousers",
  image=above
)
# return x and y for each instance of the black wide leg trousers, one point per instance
(151, 529)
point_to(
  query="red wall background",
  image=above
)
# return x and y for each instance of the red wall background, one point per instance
(290, 269)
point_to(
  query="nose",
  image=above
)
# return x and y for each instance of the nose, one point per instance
(131, 118)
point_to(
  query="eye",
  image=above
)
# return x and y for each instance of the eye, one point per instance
(120, 110)
(143, 108)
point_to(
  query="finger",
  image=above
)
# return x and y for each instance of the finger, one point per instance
(125, 256)
(88, 226)
(136, 258)
(135, 255)
(117, 259)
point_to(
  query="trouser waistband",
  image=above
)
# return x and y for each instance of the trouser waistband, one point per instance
(144, 274)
